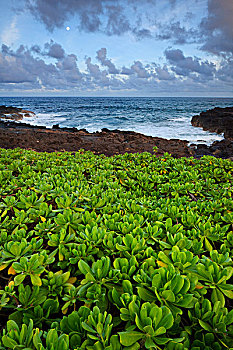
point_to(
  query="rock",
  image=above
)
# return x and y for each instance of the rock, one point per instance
(14, 113)
(56, 126)
(219, 149)
(219, 120)
(29, 113)
(109, 142)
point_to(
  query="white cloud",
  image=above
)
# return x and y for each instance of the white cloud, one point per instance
(11, 33)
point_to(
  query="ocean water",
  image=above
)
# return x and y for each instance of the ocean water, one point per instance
(165, 117)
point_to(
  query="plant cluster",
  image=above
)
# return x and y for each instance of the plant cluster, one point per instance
(127, 252)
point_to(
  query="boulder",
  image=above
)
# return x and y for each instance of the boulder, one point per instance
(219, 120)
(14, 113)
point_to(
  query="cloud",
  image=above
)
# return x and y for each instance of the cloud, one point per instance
(54, 50)
(21, 66)
(11, 33)
(94, 69)
(225, 71)
(207, 23)
(27, 69)
(142, 33)
(140, 70)
(177, 33)
(217, 28)
(186, 66)
(102, 57)
(113, 17)
(90, 14)
(51, 49)
(163, 73)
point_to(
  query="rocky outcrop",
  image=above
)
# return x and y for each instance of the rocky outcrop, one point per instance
(219, 120)
(14, 113)
(219, 149)
(108, 142)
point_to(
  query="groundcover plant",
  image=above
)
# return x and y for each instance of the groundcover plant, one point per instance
(127, 252)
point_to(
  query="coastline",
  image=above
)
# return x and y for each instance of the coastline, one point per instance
(108, 142)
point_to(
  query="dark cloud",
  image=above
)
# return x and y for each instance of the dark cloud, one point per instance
(21, 66)
(143, 20)
(126, 71)
(27, 69)
(93, 15)
(185, 66)
(36, 49)
(225, 71)
(142, 33)
(102, 57)
(140, 70)
(94, 69)
(54, 50)
(217, 28)
(51, 49)
(113, 17)
(162, 73)
(177, 33)
(117, 22)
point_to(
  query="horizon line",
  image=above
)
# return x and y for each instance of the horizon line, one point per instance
(59, 96)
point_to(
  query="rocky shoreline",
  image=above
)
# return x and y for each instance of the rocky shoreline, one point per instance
(107, 142)
(219, 120)
(14, 113)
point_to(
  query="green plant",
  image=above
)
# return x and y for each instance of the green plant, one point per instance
(152, 322)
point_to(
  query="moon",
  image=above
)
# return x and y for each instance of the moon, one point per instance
(68, 28)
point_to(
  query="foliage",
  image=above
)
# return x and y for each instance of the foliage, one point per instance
(126, 252)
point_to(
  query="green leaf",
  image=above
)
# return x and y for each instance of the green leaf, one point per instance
(149, 330)
(162, 256)
(51, 338)
(205, 325)
(139, 323)
(12, 325)
(177, 284)
(217, 295)
(8, 342)
(149, 343)
(229, 318)
(162, 340)
(186, 301)
(19, 279)
(168, 295)
(84, 267)
(145, 294)
(63, 342)
(88, 328)
(36, 281)
(208, 245)
(128, 338)
(167, 319)
(159, 331)
(228, 293)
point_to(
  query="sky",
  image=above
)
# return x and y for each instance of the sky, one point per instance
(116, 48)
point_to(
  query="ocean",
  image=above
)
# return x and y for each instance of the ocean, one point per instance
(165, 117)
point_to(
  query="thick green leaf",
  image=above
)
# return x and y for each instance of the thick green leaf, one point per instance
(84, 267)
(8, 342)
(205, 325)
(145, 294)
(19, 279)
(36, 281)
(128, 338)
(168, 295)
